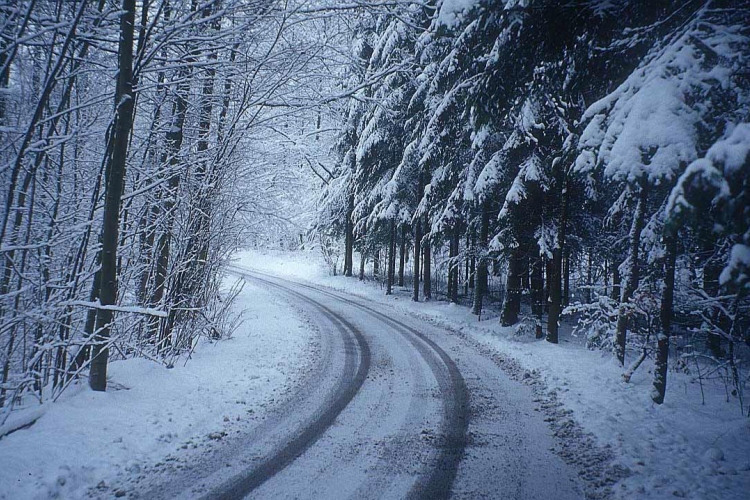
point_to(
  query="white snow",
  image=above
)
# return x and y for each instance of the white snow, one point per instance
(150, 414)
(733, 151)
(739, 262)
(716, 177)
(682, 449)
(452, 12)
(650, 124)
(489, 176)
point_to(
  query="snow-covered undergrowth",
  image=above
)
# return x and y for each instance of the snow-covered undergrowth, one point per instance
(151, 415)
(682, 449)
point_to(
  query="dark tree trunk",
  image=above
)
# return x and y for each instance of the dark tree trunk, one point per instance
(362, 261)
(427, 264)
(402, 256)
(631, 281)
(174, 139)
(349, 240)
(589, 278)
(113, 195)
(4, 81)
(481, 274)
(454, 265)
(191, 280)
(555, 296)
(513, 288)
(147, 238)
(451, 264)
(391, 258)
(392, 261)
(473, 262)
(85, 350)
(537, 293)
(606, 277)
(525, 272)
(662, 350)
(376, 263)
(548, 273)
(449, 272)
(616, 281)
(467, 263)
(555, 299)
(566, 279)
(417, 254)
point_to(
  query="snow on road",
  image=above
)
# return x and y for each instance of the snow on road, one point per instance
(152, 416)
(434, 418)
(681, 449)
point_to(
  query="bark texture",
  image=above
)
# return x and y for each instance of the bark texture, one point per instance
(115, 177)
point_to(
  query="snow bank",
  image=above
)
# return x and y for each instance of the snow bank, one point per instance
(149, 413)
(680, 449)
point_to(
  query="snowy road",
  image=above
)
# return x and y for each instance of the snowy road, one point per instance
(394, 408)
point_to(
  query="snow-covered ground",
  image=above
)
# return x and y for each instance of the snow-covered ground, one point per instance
(151, 415)
(682, 449)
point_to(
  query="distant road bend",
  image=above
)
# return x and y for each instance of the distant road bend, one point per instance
(394, 408)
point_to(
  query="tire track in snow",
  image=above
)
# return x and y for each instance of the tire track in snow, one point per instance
(438, 481)
(357, 354)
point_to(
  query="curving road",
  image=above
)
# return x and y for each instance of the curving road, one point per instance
(394, 408)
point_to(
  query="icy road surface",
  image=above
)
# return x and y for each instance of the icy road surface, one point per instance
(394, 408)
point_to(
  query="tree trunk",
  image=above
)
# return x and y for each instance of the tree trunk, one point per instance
(376, 263)
(174, 139)
(481, 275)
(391, 258)
(631, 280)
(402, 256)
(4, 81)
(417, 255)
(473, 262)
(555, 296)
(6, 365)
(362, 262)
(349, 239)
(513, 288)
(616, 281)
(537, 293)
(150, 218)
(392, 262)
(566, 279)
(662, 350)
(589, 278)
(115, 180)
(555, 303)
(427, 264)
(606, 277)
(467, 262)
(451, 258)
(454, 265)
(525, 272)
(192, 282)
(548, 273)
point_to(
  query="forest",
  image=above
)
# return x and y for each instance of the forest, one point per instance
(583, 162)
(547, 158)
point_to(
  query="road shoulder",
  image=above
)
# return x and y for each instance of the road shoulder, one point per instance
(154, 420)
